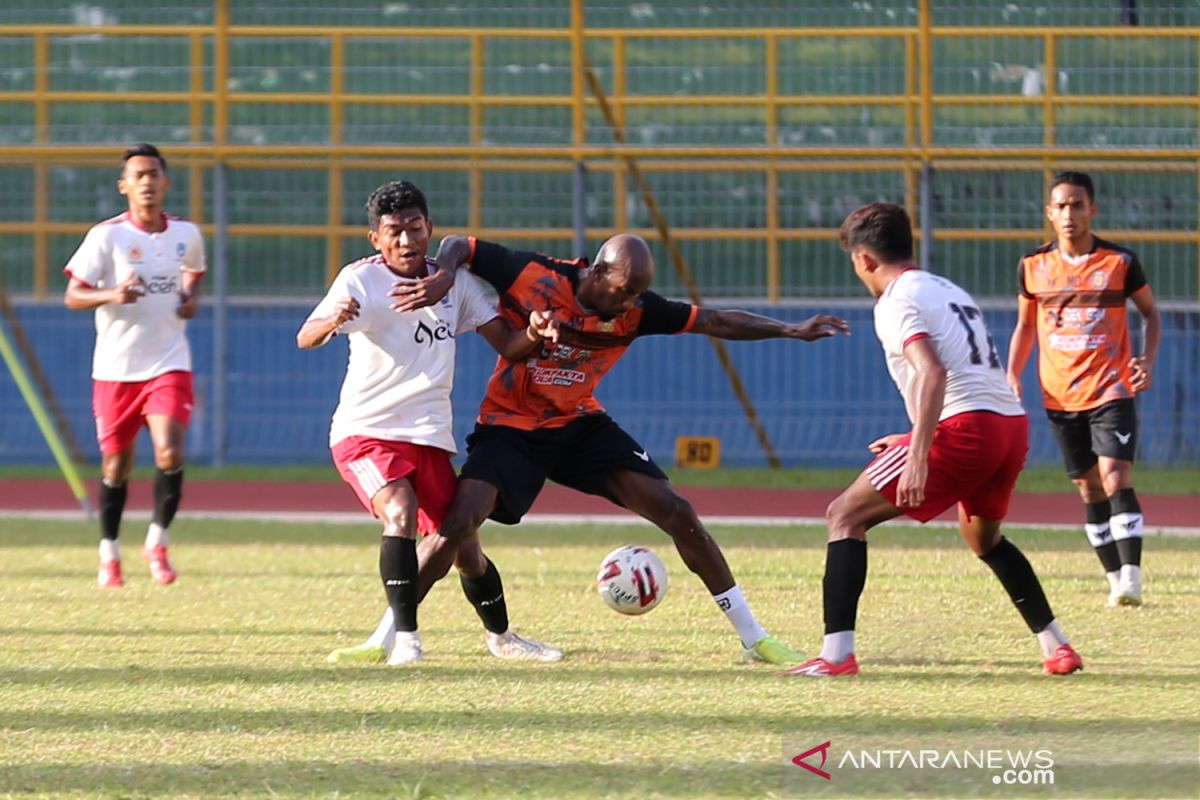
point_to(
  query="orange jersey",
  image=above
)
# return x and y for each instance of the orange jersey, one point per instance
(554, 385)
(1082, 324)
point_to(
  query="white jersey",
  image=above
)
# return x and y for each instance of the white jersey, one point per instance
(919, 304)
(141, 340)
(401, 366)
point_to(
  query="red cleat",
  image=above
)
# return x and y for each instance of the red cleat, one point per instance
(1064, 661)
(160, 568)
(109, 576)
(820, 668)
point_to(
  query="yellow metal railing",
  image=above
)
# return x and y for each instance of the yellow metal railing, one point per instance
(208, 48)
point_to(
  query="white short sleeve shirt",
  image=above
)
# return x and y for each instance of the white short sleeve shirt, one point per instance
(141, 340)
(920, 304)
(401, 366)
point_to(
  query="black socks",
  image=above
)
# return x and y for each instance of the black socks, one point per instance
(486, 593)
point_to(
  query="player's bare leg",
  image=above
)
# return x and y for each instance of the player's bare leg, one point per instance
(114, 490)
(167, 435)
(848, 518)
(657, 501)
(482, 585)
(1024, 589)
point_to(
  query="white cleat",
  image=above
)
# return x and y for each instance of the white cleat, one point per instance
(1125, 595)
(509, 645)
(1128, 591)
(407, 650)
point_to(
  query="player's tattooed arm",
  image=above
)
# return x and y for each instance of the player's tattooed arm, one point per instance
(453, 252)
(744, 325)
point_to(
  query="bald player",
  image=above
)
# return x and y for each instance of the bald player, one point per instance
(540, 418)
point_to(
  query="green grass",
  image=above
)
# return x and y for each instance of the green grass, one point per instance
(217, 687)
(1149, 480)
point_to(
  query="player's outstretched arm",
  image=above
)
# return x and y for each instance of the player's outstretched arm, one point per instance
(1021, 345)
(453, 252)
(316, 332)
(744, 325)
(79, 296)
(517, 344)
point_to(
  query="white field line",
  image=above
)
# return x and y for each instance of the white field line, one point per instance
(344, 518)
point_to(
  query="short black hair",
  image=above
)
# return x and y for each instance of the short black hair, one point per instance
(392, 198)
(885, 228)
(1072, 178)
(143, 149)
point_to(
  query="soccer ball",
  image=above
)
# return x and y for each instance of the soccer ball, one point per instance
(632, 580)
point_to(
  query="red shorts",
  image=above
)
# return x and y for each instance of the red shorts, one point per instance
(370, 464)
(975, 460)
(121, 407)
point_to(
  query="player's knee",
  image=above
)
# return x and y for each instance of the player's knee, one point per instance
(839, 520)
(677, 516)
(168, 458)
(458, 526)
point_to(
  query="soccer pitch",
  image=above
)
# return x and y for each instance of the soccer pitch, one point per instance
(217, 686)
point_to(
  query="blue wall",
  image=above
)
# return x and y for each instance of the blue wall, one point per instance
(820, 402)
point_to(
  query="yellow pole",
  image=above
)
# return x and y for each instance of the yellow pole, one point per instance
(41, 176)
(337, 87)
(196, 126)
(774, 279)
(42, 418)
(475, 111)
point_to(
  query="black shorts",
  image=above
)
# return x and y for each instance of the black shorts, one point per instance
(1109, 430)
(580, 455)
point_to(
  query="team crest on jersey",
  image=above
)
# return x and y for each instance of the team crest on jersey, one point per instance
(1099, 279)
(135, 254)
(180, 249)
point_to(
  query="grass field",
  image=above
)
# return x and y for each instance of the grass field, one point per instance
(217, 686)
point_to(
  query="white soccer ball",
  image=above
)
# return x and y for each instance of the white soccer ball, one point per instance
(632, 580)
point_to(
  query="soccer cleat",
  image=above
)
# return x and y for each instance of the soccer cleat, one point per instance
(509, 645)
(1064, 661)
(772, 651)
(110, 576)
(160, 568)
(1125, 595)
(365, 653)
(1128, 589)
(407, 650)
(820, 668)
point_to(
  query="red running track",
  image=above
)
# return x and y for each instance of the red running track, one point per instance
(280, 496)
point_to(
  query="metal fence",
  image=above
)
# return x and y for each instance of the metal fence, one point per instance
(757, 130)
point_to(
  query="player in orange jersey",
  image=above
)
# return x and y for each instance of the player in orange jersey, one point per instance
(540, 419)
(1072, 303)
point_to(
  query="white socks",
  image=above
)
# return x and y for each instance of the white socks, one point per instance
(740, 616)
(1131, 578)
(837, 647)
(110, 550)
(1114, 581)
(1051, 639)
(385, 634)
(1126, 525)
(156, 535)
